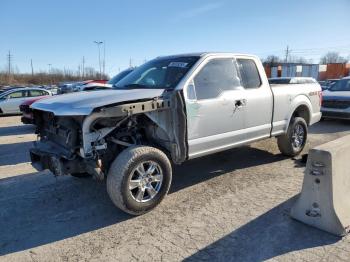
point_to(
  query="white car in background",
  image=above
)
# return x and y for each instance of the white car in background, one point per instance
(11, 100)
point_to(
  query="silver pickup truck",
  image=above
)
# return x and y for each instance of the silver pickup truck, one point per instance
(169, 110)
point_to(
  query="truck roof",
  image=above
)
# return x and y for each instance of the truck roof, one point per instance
(203, 54)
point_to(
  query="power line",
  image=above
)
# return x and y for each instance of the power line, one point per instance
(309, 51)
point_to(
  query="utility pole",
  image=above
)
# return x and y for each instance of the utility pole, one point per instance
(83, 69)
(98, 43)
(9, 57)
(104, 57)
(130, 63)
(31, 65)
(50, 72)
(287, 54)
(79, 71)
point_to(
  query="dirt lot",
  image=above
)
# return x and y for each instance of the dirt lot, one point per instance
(230, 206)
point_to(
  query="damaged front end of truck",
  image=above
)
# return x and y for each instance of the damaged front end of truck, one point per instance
(78, 145)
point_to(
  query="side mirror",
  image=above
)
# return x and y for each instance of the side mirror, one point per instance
(191, 91)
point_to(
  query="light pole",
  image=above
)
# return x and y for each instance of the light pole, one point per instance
(50, 73)
(99, 43)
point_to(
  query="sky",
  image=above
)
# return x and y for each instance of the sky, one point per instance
(62, 32)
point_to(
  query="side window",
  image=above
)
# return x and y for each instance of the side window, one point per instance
(17, 94)
(215, 77)
(249, 73)
(36, 93)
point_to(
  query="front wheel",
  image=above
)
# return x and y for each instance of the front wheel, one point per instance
(138, 179)
(293, 142)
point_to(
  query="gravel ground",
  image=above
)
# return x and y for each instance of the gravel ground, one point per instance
(232, 206)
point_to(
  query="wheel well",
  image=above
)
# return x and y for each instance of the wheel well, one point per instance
(303, 112)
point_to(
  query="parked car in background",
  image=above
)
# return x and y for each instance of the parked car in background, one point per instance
(12, 99)
(52, 88)
(328, 83)
(171, 109)
(336, 100)
(88, 85)
(27, 112)
(115, 79)
(65, 87)
(69, 87)
(323, 84)
(109, 84)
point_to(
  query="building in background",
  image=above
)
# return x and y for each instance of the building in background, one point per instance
(319, 72)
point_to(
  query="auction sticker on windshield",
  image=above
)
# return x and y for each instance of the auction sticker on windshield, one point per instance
(178, 64)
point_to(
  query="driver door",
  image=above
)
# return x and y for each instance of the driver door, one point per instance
(215, 104)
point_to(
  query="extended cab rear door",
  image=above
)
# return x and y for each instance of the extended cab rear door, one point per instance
(259, 98)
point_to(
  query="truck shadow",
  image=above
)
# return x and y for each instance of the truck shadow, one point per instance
(208, 167)
(268, 236)
(329, 126)
(17, 130)
(16, 153)
(38, 209)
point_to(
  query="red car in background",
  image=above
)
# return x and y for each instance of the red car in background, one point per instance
(27, 113)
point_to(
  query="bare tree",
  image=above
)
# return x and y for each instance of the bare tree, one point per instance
(43, 78)
(332, 57)
(299, 60)
(272, 59)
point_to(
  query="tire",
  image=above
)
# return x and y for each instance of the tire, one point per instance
(287, 143)
(124, 174)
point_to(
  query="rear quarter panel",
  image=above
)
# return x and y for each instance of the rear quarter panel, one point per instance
(288, 98)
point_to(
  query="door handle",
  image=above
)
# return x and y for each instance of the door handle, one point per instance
(240, 103)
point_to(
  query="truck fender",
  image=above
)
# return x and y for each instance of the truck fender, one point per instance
(301, 104)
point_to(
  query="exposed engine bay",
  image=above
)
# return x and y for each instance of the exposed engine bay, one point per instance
(89, 144)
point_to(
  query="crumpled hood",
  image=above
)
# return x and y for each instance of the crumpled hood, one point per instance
(83, 103)
(341, 95)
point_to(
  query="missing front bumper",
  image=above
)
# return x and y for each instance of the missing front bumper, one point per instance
(52, 157)
(47, 155)
(41, 161)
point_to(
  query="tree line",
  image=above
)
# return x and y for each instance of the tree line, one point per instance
(328, 58)
(55, 76)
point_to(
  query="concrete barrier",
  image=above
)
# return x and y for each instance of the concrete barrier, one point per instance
(324, 201)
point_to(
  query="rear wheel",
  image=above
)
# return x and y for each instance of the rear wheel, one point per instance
(138, 179)
(293, 142)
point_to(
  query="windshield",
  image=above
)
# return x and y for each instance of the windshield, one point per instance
(119, 76)
(341, 85)
(159, 73)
